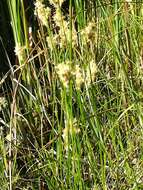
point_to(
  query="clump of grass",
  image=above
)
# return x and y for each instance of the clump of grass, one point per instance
(74, 120)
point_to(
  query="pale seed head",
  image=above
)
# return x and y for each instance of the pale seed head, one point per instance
(42, 12)
(57, 3)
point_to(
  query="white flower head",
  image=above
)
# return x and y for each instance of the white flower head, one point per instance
(57, 2)
(64, 73)
(42, 12)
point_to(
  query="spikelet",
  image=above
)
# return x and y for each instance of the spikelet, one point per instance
(58, 17)
(42, 12)
(66, 34)
(88, 34)
(57, 3)
(79, 80)
(64, 72)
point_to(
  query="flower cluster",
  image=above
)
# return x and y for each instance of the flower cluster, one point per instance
(88, 33)
(57, 3)
(62, 33)
(65, 35)
(67, 71)
(78, 76)
(64, 72)
(42, 12)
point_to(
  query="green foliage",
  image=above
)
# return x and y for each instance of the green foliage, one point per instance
(74, 113)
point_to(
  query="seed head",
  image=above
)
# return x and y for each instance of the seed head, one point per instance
(42, 12)
(64, 73)
(57, 3)
(78, 77)
(88, 33)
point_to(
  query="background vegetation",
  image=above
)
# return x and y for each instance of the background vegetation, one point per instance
(71, 103)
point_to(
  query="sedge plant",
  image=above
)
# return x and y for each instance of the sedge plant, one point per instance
(74, 113)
